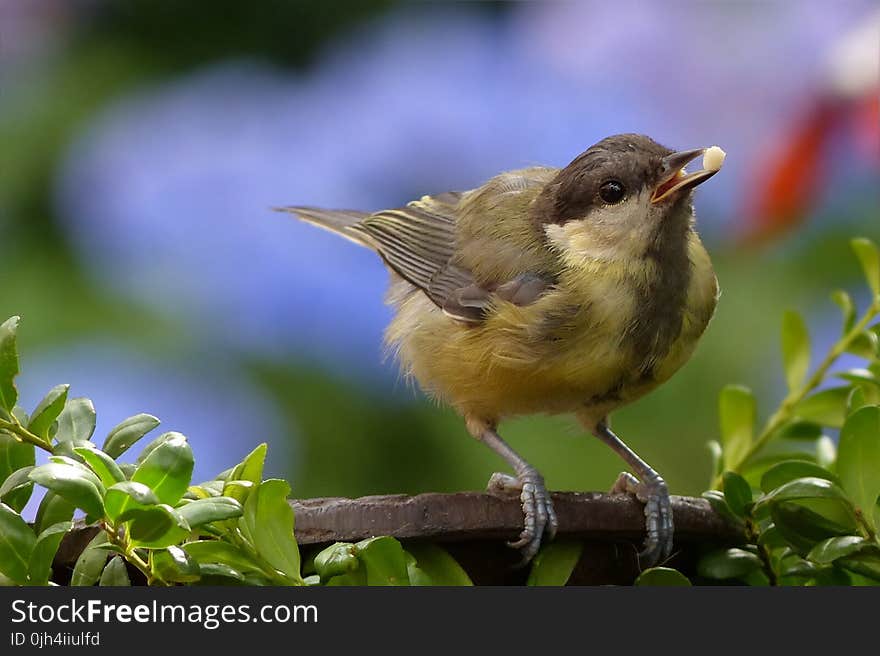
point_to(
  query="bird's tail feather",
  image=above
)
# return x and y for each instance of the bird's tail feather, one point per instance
(338, 221)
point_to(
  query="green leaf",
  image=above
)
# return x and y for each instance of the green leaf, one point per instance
(837, 511)
(47, 411)
(771, 537)
(249, 469)
(149, 448)
(91, 562)
(756, 578)
(869, 257)
(847, 308)
(174, 565)
(866, 564)
(14, 483)
(790, 470)
(17, 542)
(795, 349)
(75, 461)
(126, 495)
(205, 490)
(810, 487)
(156, 527)
(737, 493)
(662, 576)
(856, 400)
(167, 469)
(76, 421)
(224, 475)
(736, 407)
(268, 521)
(728, 564)
(52, 510)
(213, 509)
(127, 433)
(220, 574)
(803, 527)
(827, 407)
(231, 488)
(858, 459)
(718, 502)
(554, 563)
(115, 574)
(864, 345)
(796, 566)
(8, 364)
(800, 430)
(15, 456)
(827, 551)
(64, 452)
(358, 577)
(832, 576)
(434, 566)
(870, 392)
(19, 414)
(45, 548)
(76, 484)
(337, 559)
(257, 579)
(103, 465)
(859, 581)
(216, 551)
(384, 561)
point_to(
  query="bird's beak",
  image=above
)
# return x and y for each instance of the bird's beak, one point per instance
(673, 177)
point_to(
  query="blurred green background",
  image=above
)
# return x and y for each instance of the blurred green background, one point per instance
(143, 143)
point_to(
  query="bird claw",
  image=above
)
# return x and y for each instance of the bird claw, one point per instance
(539, 515)
(658, 515)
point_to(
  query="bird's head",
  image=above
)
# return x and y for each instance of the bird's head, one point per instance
(624, 197)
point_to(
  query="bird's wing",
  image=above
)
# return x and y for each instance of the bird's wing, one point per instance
(472, 303)
(419, 242)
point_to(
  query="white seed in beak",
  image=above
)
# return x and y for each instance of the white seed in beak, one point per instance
(713, 158)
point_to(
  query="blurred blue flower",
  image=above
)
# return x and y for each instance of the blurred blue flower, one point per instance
(220, 412)
(732, 73)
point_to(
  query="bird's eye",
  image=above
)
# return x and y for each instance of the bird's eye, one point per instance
(612, 192)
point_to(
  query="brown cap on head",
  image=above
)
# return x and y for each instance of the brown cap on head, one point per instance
(613, 169)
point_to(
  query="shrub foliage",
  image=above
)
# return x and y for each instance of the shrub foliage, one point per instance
(807, 502)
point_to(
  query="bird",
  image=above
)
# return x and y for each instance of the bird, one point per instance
(573, 290)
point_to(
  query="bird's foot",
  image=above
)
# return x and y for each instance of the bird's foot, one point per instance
(540, 518)
(658, 514)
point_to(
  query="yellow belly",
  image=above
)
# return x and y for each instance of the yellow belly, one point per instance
(512, 364)
(564, 353)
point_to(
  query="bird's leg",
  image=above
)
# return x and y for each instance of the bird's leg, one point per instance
(650, 489)
(539, 516)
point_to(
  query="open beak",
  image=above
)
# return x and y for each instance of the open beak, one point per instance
(673, 177)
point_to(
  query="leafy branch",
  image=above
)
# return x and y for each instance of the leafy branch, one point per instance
(811, 517)
(153, 521)
(737, 405)
(787, 409)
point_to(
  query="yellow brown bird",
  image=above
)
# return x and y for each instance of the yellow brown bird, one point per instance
(573, 290)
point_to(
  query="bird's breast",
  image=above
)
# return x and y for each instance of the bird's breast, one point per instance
(597, 337)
